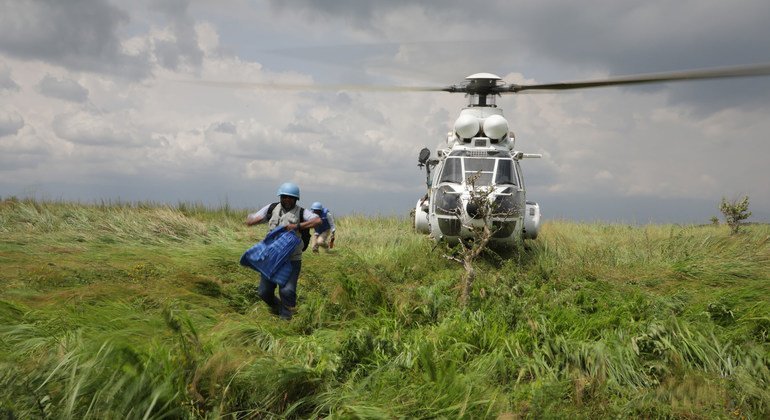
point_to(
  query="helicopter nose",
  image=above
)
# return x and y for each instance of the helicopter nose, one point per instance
(473, 210)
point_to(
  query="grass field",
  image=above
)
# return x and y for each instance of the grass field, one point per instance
(121, 310)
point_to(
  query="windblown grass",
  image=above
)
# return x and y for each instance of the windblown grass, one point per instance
(141, 311)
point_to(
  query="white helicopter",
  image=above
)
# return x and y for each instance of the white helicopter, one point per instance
(478, 159)
(475, 178)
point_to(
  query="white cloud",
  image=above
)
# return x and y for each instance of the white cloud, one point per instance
(603, 175)
(6, 81)
(266, 170)
(94, 130)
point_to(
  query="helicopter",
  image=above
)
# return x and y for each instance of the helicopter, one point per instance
(475, 177)
(478, 159)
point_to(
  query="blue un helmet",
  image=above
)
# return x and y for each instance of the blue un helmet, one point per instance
(290, 189)
(317, 206)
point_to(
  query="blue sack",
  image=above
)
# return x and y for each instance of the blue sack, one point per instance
(271, 256)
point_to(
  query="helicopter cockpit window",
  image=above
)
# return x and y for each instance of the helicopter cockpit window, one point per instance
(505, 173)
(483, 167)
(452, 171)
(459, 169)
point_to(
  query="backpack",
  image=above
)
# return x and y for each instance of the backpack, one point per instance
(305, 233)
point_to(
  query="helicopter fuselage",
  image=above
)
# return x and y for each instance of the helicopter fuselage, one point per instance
(475, 179)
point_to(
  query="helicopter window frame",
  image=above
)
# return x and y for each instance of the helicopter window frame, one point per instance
(452, 171)
(486, 174)
(446, 202)
(512, 176)
(519, 175)
(459, 168)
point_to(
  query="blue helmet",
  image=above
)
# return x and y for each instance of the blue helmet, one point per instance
(290, 189)
(317, 206)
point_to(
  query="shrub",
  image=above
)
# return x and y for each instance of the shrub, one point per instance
(735, 211)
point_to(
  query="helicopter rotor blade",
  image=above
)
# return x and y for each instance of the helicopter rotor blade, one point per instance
(725, 72)
(312, 87)
(491, 88)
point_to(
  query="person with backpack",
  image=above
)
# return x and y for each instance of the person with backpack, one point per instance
(286, 213)
(324, 232)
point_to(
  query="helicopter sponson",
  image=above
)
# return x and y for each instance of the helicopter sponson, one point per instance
(475, 179)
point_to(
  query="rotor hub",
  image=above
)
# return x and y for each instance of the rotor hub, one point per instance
(482, 84)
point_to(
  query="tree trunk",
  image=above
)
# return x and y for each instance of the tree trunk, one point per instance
(468, 277)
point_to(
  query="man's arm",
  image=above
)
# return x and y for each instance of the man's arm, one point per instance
(331, 222)
(258, 217)
(253, 219)
(311, 220)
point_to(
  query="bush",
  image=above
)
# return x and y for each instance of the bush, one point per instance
(735, 211)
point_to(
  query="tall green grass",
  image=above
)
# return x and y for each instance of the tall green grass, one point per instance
(142, 311)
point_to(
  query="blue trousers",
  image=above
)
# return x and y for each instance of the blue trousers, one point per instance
(288, 292)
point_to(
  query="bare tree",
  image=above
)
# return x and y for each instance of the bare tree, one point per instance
(468, 250)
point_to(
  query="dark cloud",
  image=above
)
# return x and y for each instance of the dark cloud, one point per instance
(76, 34)
(66, 89)
(651, 36)
(183, 49)
(630, 37)
(622, 38)
(224, 127)
(10, 123)
(634, 210)
(352, 11)
(570, 40)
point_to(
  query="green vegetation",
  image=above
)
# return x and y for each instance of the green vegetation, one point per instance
(735, 211)
(142, 311)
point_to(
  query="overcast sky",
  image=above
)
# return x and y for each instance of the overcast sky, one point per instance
(113, 100)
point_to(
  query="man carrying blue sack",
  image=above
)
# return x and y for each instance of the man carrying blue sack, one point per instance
(295, 219)
(271, 255)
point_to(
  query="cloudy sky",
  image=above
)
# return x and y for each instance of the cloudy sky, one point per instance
(152, 100)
